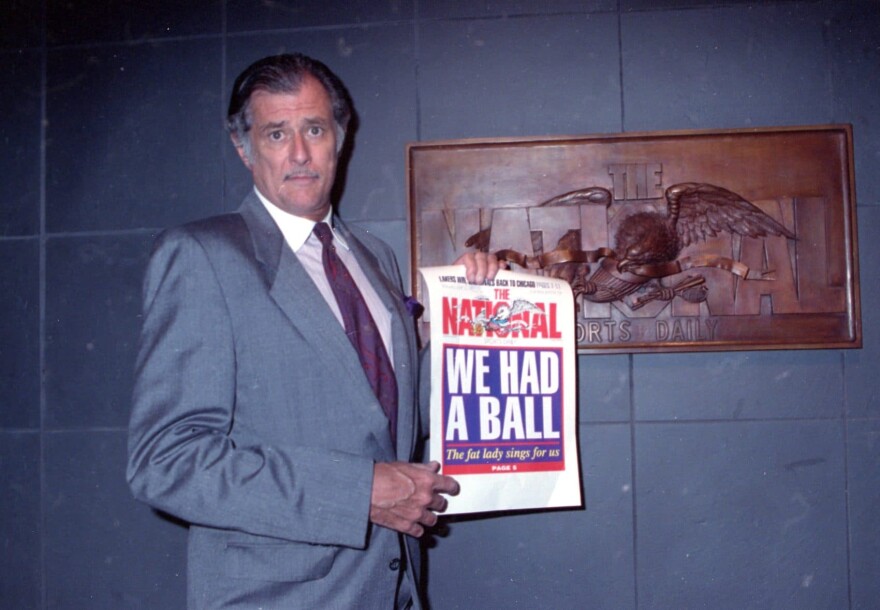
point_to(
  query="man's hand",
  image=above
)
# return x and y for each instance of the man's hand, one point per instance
(479, 266)
(407, 497)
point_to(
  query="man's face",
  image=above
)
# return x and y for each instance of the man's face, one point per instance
(293, 148)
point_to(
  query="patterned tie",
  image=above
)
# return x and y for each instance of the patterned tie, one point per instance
(360, 328)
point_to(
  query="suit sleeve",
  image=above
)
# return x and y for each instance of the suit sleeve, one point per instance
(425, 391)
(183, 459)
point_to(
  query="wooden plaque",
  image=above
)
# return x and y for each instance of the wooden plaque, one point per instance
(671, 241)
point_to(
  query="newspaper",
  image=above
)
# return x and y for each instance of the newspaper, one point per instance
(503, 404)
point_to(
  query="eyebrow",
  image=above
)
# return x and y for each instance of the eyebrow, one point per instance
(321, 122)
(273, 125)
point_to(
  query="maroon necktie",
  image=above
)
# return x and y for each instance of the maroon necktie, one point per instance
(360, 328)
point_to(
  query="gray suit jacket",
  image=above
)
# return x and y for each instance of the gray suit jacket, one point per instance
(254, 422)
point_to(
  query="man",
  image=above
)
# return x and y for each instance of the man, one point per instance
(257, 415)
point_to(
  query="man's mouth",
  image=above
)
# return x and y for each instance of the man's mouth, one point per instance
(301, 176)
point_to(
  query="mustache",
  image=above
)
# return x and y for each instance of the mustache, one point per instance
(301, 174)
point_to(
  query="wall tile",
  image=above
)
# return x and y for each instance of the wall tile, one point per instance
(134, 136)
(738, 385)
(22, 24)
(486, 78)
(578, 558)
(21, 81)
(395, 233)
(249, 15)
(79, 21)
(864, 518)
(603, 388)
(20, 520)
(725, 67)
(20, 334)
(457, 9)
(748, 515)
(103, 548)
(377, 66)
(861, 366)
(854, 33)
(93, 304)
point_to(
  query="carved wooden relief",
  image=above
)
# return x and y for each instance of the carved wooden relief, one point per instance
(674, 241)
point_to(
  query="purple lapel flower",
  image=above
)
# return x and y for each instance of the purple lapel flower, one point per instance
(414, 308)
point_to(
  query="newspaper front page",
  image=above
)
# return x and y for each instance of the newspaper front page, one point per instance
(503, 404)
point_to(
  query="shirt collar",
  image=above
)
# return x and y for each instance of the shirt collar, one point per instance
(296, 229)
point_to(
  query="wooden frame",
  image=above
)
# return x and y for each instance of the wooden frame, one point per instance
(672, 241)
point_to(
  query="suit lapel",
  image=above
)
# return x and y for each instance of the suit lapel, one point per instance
(304, 306)
(404, 358)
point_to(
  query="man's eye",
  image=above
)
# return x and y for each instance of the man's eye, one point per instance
(276, 136)
(314, 130)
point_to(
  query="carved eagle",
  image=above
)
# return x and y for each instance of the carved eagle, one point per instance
(694, 212)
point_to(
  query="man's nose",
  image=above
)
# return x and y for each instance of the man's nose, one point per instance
(299, 150)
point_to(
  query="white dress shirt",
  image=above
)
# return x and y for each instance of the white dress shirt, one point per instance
(297, 232)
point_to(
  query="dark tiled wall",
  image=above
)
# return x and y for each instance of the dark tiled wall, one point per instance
(728, 480)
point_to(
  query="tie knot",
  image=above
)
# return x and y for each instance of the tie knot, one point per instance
(323, 233)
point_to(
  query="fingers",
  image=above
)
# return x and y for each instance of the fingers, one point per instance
(438, 503)
(412, 525)
(397, 523)
(407, 497)
(446, 485)
(432, 466)
(442, 483)
(479, 266)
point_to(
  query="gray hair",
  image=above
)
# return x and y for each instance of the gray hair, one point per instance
(283, 74)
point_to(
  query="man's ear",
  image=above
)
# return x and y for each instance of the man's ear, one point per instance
(239, 148)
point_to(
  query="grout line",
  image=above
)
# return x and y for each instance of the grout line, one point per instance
(620, 68)
(417, 56)
(14, 430)
(6, 238)
(41, 333)
(89, 429)
(522, 15)
(223, 34)
(100, 233)
(699, 422)
(318, 28)
(741, 420)
(140, 42)
(847, 509)
(224, 66)
(633, 472)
